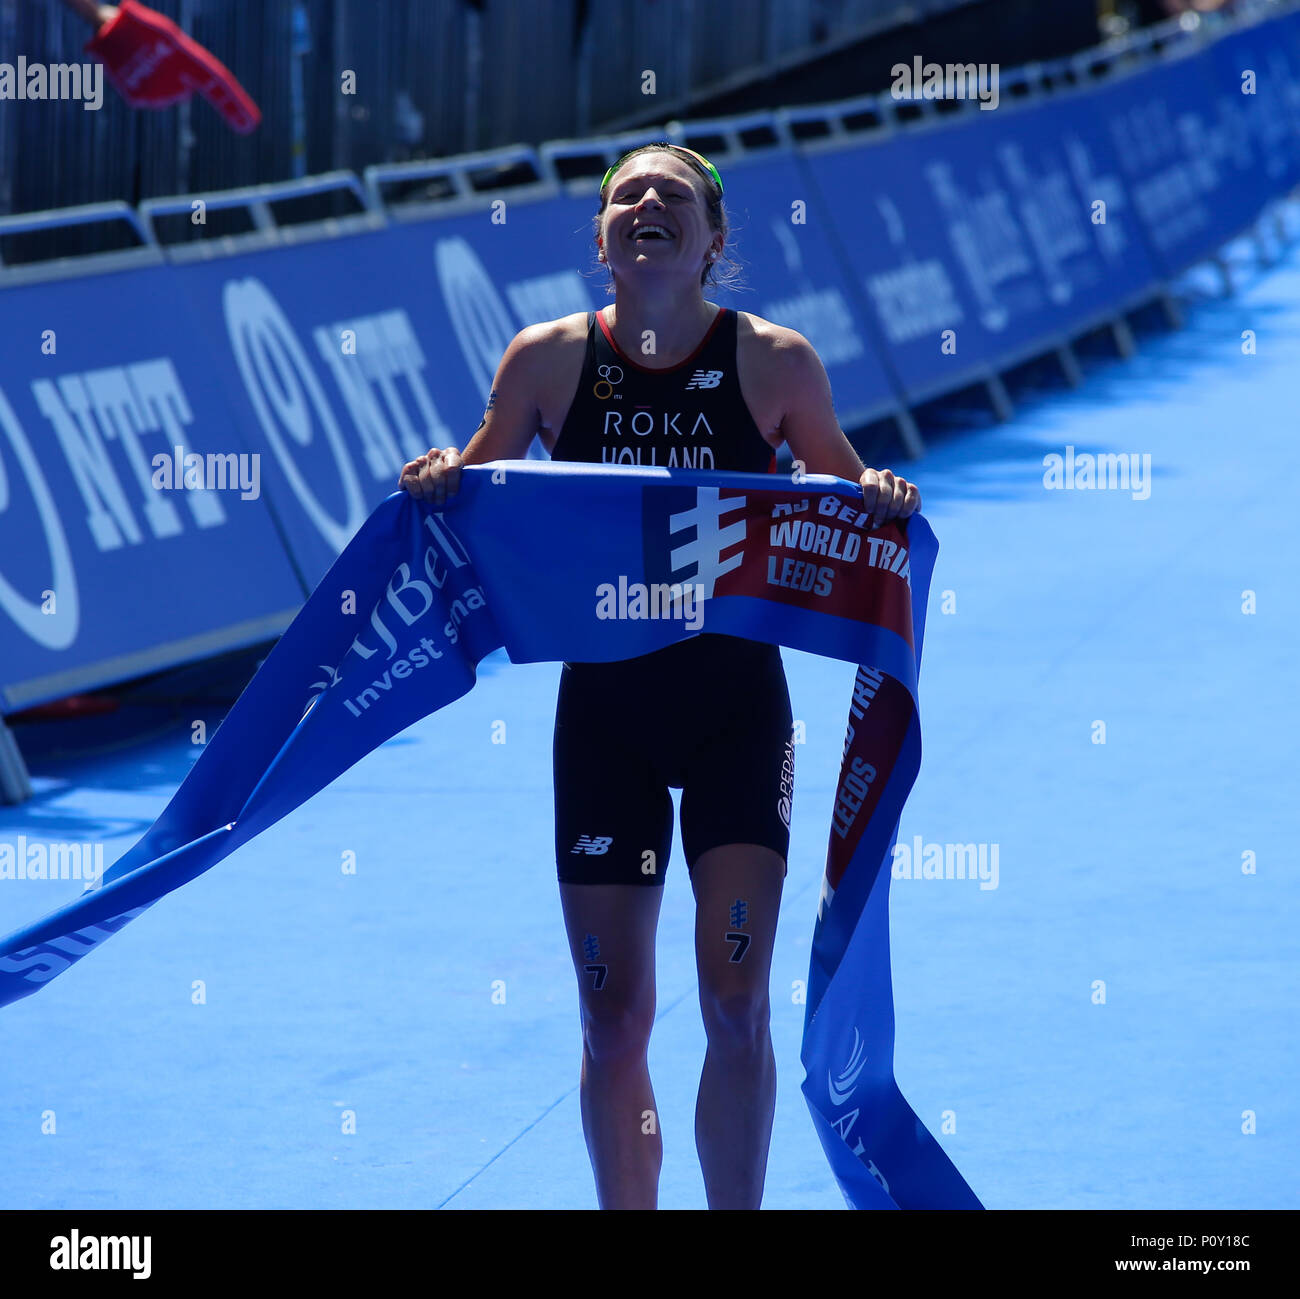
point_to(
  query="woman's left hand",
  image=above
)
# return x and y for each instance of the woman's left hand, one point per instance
(886, 497)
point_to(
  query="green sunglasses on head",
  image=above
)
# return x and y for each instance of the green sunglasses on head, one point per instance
(708, 166)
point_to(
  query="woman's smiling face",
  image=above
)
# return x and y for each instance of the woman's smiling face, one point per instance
(656, 215)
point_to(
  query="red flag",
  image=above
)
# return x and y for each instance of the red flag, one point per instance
(154, 64)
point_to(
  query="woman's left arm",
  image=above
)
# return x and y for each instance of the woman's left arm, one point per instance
(815, 438)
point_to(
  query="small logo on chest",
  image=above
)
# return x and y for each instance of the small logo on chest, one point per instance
(705, 379)
(609, 376)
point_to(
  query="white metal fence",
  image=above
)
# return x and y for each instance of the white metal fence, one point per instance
(433, 78)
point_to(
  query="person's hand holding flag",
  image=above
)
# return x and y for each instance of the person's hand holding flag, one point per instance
(153, 64)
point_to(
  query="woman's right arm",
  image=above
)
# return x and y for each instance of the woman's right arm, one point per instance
(507, 428)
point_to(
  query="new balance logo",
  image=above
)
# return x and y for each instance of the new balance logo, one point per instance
(705, 379)
(593, 846)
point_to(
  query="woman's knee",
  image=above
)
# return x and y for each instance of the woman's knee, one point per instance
(617, 1032)
(737, 1020)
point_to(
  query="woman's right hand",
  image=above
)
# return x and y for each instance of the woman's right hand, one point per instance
(433, 476)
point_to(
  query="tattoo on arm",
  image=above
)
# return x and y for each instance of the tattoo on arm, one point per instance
(491, 401)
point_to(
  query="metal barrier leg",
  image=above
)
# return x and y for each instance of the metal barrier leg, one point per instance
(908, 433)
(999, 398)
(1173, 312)
(1069, 365)
(1226, 272)
(1262, 250)
(1125, 343)
(15, 784)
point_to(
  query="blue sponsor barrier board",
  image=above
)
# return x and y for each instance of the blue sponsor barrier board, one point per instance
(345, 358)
(1255, 74)
(1188, 157)
(977, 241)
(797, 281)
(110, 567)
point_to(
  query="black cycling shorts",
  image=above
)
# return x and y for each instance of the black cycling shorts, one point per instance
(709, 716)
